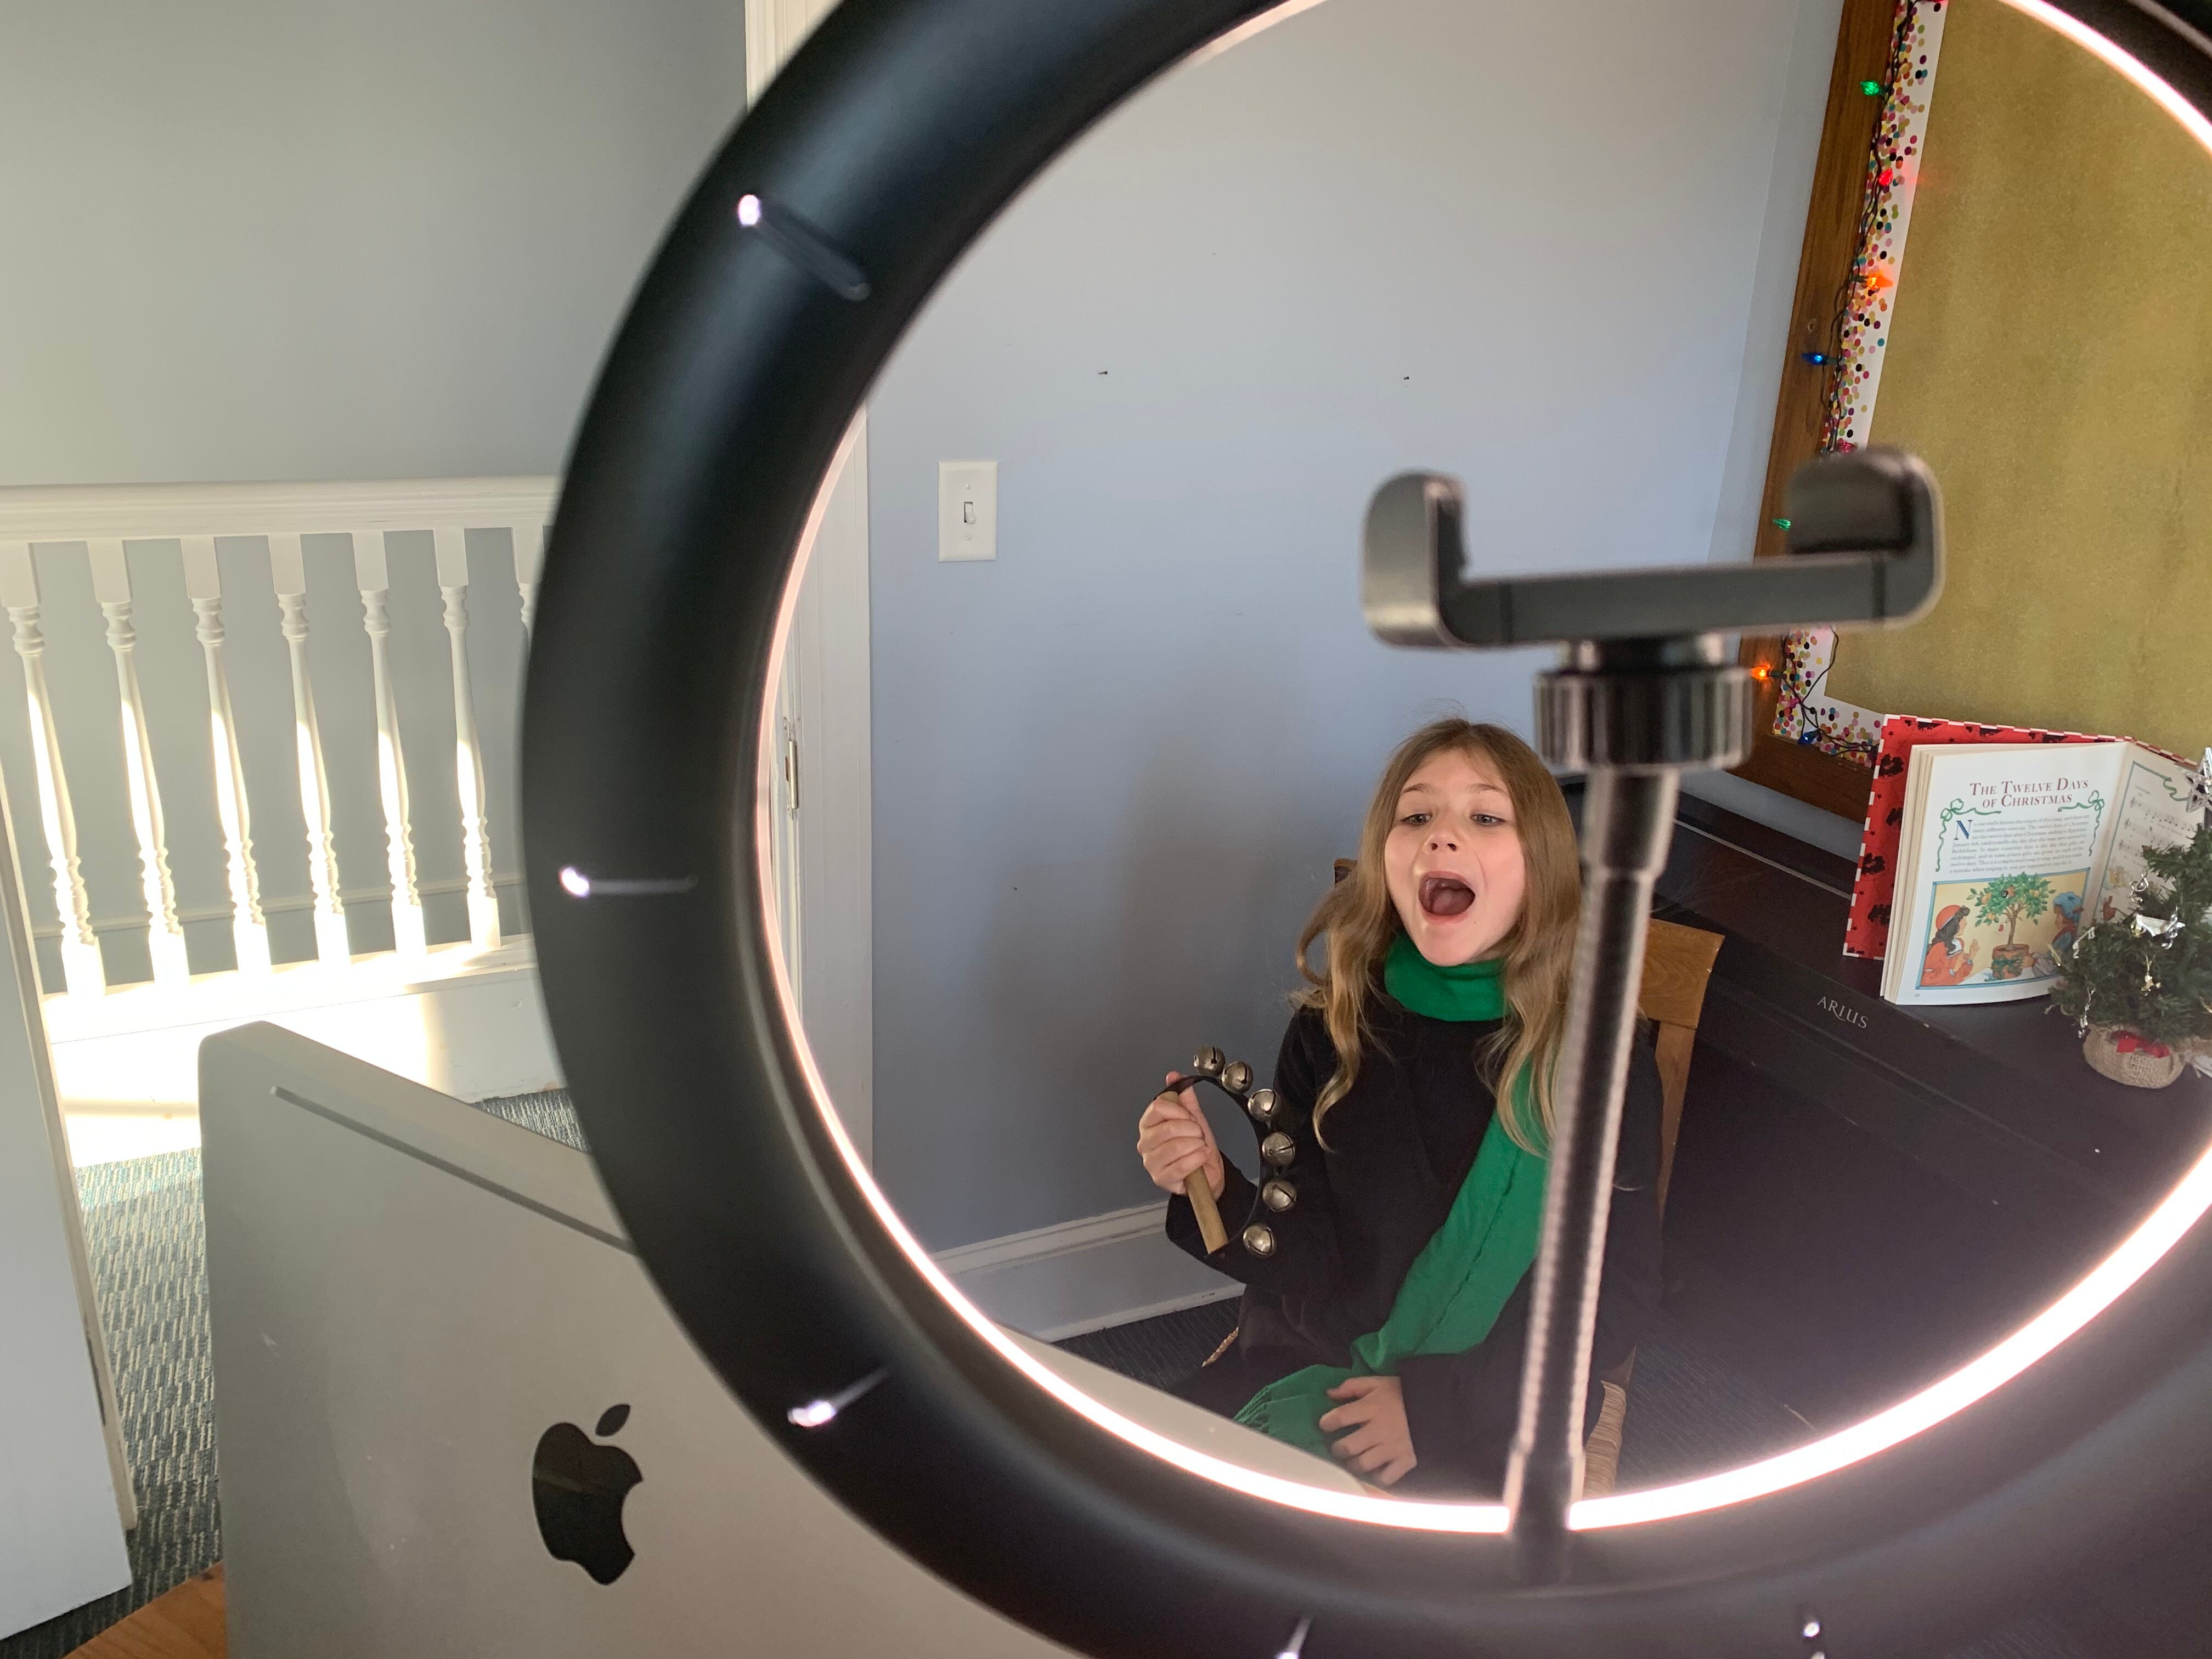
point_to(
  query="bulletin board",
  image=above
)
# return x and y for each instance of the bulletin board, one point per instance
(2050, 357)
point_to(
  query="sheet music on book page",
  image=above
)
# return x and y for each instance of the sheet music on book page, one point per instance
(2154, 810)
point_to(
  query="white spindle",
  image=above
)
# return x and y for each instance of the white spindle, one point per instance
(529, 560)
(165, 939)
(372, 576)
(81, 972)
(453, 551)
(287, 571)
(249, 927)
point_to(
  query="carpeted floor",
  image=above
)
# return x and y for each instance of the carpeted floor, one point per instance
(145, 1232)
(549, 1114)
(1688, 1413)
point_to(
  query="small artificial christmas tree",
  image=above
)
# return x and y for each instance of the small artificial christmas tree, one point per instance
(2142, 985)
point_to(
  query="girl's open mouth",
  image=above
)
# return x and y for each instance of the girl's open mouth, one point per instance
(1445, 895)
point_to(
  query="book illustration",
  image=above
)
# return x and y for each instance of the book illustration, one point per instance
(2068, 906)
(1977, 933)
(1950, 959)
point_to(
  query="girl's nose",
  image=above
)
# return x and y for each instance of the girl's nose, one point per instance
(1443, 841)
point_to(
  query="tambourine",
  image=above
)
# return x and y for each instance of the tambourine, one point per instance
(1277, 1196)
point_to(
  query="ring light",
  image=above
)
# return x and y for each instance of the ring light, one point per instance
(695, 487)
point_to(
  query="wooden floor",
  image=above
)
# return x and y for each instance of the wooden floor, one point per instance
(186, 1624)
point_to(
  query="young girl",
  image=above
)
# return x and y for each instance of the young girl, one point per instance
(1385, 1313)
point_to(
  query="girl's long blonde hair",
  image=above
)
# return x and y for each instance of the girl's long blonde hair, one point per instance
(1359, 922)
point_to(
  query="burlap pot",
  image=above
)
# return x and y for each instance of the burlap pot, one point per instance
(2138, 1068)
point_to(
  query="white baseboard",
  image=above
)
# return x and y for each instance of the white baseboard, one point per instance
(1083, 1275)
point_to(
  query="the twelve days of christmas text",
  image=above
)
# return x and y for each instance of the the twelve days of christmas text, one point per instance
(2053, 792)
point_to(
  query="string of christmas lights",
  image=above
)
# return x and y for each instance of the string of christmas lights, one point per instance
(1858, 334)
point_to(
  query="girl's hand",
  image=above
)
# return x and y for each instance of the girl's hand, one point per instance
(1380, 1444)
(1173, 1138)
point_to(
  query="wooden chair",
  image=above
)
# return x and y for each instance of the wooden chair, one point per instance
(1678, 962)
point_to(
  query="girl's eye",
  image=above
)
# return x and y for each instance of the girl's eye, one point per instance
(1415, 818)
(1488, 818)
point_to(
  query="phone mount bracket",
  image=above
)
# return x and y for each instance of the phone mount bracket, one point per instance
(1645, 690)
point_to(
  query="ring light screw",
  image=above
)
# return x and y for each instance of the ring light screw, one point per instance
(1279, 1196)
(1259, 1239)
(1279, 1149)
(1262, 1105)
(816, 1412)
(577, 884)
(804, 245)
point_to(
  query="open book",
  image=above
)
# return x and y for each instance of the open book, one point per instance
(2008, 850)
(1867, 934)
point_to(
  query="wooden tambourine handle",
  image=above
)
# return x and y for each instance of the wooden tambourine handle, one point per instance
(1207, 1212)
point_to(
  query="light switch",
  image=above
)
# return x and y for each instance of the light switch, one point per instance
(967, 510)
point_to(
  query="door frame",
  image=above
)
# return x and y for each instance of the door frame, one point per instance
(821, 781)
(59, 1387)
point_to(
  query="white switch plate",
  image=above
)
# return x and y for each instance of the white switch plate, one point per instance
(967, 510)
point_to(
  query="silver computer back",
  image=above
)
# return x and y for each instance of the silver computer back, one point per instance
(406, 1294)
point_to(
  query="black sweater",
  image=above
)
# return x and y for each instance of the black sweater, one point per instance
(1400, 1144)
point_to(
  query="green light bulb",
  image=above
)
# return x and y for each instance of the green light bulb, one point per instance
(1872, 88)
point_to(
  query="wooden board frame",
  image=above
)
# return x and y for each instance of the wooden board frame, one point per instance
(1823, 265)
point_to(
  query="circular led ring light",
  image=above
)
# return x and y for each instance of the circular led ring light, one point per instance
(876, 158)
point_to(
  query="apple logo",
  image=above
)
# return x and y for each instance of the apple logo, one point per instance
(578, 1487)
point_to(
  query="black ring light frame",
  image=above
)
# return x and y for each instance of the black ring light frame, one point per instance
(877, 157)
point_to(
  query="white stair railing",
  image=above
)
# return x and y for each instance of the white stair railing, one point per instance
(249, 927)
(529, 560)
(374, 579)
(452, 549)
(111, 585)
(287, 574)
(82, 971)
(94, 526)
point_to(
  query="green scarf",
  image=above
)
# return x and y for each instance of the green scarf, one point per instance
(1465, 1275)
(1473, 990)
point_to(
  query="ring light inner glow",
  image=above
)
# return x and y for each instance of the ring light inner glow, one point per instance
(2180, 1210)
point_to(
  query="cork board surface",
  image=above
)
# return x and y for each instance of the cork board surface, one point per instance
(2050, 357)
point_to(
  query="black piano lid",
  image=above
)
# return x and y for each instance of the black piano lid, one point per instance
(1996, 1096)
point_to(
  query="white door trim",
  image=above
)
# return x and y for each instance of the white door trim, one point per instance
(821, 840)
(69, 1489)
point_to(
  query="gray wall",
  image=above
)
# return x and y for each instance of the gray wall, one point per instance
(316, 240)
(1530, 246)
